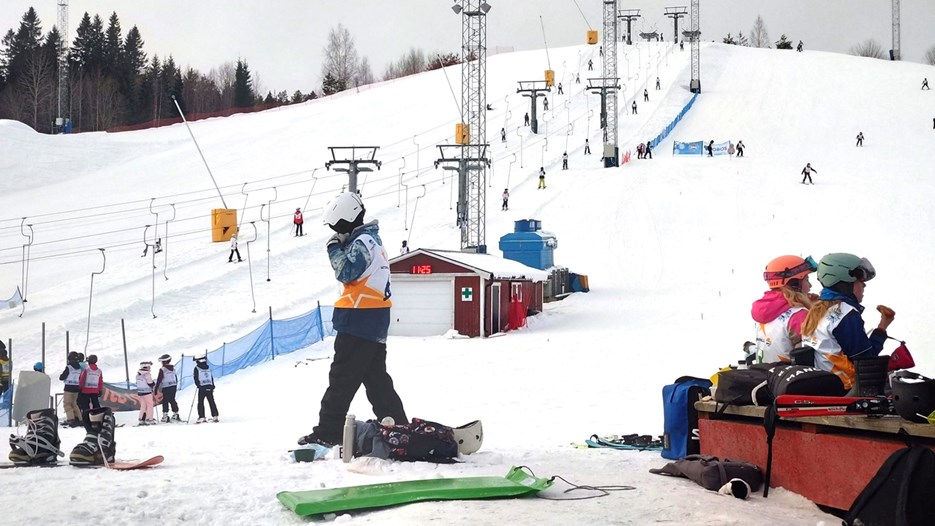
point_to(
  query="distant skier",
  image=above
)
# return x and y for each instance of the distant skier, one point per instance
(807, 173)
(658, 86)
(645, 95)
(506, 199)
(590, 65)
(4, 369)
(545, 103)
(541, 177)
(639, 151)
(577, 79)
(168, 382)
(565, 161)
(799, 47)
(648, 151)
(526, 119)
(740, 148)
(71, 376)
(681, 45)
(587, 147)
(404, 249)
(502, 134)
(600, 51)
(925, 83)
(560, 92)
(633, 108)
(297, 221)
(144, 392)
(710, 148)
(230, 259)
(92, 383)
(204, 380)
(860, 139)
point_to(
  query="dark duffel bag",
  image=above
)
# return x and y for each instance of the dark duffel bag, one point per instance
(804, 380)
(743, 387)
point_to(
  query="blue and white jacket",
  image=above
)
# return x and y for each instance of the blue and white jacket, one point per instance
(361, 265)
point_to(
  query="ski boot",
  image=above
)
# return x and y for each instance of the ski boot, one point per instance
(201, 420)
(215, 420)
(165, 419)
(151, 422)
(41, 443)
(99, 446)
(176, 418)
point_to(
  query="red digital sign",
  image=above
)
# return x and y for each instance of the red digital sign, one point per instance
(420, 269)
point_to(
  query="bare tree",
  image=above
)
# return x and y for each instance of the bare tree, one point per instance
(364, 73)
(759, 37)
(929, 57)
(35, 85)
(868, 48)
(223, 78)
(340, 55)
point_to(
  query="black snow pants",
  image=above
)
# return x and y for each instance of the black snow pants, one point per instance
(168, 399)
(209, 394)
(357, 361)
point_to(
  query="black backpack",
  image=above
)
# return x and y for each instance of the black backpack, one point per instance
(902, 493)
(421, 440)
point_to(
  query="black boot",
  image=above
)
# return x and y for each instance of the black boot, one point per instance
(99, 446)
(41, 443)
(871, 375)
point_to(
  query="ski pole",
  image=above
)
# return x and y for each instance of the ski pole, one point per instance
(189, 419)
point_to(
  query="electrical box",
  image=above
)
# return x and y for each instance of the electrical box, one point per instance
(549, 78)
(223, 224)
(592, 36)
(462, 133)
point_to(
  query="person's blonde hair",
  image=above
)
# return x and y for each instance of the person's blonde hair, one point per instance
(815, 314)
(796, 298)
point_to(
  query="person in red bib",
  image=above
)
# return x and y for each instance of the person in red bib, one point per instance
(297, 220)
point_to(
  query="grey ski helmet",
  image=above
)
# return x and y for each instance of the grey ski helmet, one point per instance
(913, 396)
(844, 268)
(165, 358)
(470, 437)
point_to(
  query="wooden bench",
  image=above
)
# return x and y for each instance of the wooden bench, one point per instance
(826, 459)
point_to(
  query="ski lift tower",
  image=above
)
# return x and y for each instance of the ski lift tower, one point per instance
(629, 15)
(695, 38)
(62, 65)
(675, 13)
(533, 89)
(353, 156)
(895, 53)
(608, 84)
(470, 151)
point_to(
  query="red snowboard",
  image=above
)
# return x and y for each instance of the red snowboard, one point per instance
(126, 464)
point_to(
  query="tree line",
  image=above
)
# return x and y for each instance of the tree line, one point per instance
(110, 81)
(759, 37)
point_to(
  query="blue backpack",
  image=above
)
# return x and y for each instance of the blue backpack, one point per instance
(680, 417)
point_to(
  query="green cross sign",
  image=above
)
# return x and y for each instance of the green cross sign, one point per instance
(467, 293)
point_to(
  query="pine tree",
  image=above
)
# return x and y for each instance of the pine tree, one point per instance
(331, 85)
(131, 71)
(243, 86)
(783, 43)
(297, 97)
(729, 40)
(112, 48)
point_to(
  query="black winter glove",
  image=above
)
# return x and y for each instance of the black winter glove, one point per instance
(337, 239)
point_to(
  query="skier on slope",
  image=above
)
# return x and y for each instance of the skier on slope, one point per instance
(361, 318)
(204, 380)
(91, 382)
(71, 376)
(144, 392)
(782, 309)
(168, 382)
(807, 173)
(297, 220)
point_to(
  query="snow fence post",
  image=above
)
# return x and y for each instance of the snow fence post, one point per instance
(272, 344)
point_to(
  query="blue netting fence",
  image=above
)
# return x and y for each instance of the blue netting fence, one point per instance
(671, 126)
(266, 342)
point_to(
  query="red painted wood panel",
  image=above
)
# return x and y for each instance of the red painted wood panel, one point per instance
(829, 469)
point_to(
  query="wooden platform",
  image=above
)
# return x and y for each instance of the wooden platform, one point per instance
(827, 459)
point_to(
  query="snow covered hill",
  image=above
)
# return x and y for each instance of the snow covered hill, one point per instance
(673, 247)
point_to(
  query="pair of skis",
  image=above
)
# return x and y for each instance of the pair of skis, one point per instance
(797, 406)
(632, 442)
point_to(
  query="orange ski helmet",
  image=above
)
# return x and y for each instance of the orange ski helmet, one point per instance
(781, 270)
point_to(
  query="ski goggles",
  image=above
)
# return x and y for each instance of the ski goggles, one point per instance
(864, 271)
(808, 265)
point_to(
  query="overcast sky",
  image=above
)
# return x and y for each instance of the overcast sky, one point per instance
(282, 40)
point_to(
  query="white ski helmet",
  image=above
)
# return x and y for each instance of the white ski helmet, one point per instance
(165, 358)
(145, 365)
(342, 211)
(470, 437)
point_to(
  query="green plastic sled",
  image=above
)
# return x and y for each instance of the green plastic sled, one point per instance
(316, 502)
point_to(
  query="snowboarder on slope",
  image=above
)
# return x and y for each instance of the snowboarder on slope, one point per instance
(807, 173)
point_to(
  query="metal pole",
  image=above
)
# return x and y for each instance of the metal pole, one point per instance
(126, 362)
(199, 151)
(43, 346)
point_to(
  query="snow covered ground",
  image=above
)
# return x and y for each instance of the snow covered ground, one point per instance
(673, 247)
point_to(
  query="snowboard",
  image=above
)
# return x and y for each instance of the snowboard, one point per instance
(126, 465)
(516, 483)
(626, 442)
